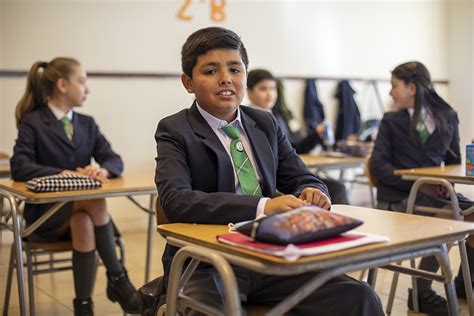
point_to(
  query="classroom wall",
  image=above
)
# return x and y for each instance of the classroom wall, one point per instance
(326, 38)
(461, 64)
(2, 115)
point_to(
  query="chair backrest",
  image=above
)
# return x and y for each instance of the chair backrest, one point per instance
(4, 156)
(160, 213)
(372, 180)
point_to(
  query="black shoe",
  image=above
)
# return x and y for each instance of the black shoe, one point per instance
(121, 290)
(429, 303)
(83, 307)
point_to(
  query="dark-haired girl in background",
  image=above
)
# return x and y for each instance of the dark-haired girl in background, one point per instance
(423, 132)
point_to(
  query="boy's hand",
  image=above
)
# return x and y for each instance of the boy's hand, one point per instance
(316, 197)
(94, 172)
(282, 204)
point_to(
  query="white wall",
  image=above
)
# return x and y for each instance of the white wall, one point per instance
(2, 107)
(327, 38)
(461, 63)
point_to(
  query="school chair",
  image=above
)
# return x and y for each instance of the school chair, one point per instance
(251, 310)
(366, 179)
(41, 258)
(4, 160)
(371, 181)
(457, 214)
(4, 156)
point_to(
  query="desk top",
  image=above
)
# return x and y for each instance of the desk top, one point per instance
(453, 173)
(326, 162)
(123, 186)
(405, 232)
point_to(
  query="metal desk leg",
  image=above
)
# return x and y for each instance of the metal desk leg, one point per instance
(18, 251)
(149, 240)
(372, 277)
(466, 276)
(443, 259)
(176, 283)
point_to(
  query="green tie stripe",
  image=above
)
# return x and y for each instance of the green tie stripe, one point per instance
(422, 130)
(243, 167)
(68, 128)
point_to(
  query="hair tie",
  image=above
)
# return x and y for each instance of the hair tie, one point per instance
(44, 65)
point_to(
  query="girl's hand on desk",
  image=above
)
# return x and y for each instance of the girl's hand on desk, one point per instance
(100, 174)
(316, 197)
(282, 204)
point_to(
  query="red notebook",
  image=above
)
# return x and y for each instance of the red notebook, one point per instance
(293, 252)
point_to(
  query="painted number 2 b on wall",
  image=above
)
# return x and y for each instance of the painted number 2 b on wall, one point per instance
(217, 10)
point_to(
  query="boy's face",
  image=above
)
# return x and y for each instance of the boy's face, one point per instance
(218, 83)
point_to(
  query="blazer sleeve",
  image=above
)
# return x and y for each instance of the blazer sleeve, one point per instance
(182, 203)
(453, 155)
(23, 162)
(381, 166)
(105, 156)
(304, 145)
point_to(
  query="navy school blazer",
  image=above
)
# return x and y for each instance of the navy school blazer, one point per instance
(395, 150)
(42, 148)
(194, 174)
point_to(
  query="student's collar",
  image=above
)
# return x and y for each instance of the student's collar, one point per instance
(412, 110)
(215, 123)
(59, 114)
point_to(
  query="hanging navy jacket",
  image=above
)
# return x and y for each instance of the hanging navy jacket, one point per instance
(313, 110)
(348, 119)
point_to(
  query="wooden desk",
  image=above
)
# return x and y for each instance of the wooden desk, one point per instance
(325, 162)
(126, 186)
(410, 237)
(452, 173)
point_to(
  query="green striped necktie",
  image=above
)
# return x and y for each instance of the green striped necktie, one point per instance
(67, 125)
(243, 167)
(422, 130)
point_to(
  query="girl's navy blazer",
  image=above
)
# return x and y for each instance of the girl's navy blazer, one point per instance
(395, 150)
(42, 148)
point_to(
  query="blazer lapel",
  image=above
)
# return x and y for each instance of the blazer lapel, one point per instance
(262, 152)
(78, 130)
(54, 125)
(225, 173)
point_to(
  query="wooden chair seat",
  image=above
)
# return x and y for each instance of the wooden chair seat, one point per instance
(57, 246)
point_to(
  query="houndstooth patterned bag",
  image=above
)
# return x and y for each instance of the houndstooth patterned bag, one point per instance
(62, 182)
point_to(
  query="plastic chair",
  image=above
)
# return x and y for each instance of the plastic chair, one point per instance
(34, 252)
(457, 214)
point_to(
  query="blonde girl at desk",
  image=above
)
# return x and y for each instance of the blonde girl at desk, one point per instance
(53, 139)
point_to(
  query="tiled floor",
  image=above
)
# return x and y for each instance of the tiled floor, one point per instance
(54, 292)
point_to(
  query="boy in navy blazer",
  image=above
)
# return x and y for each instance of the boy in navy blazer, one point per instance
(197, 182)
